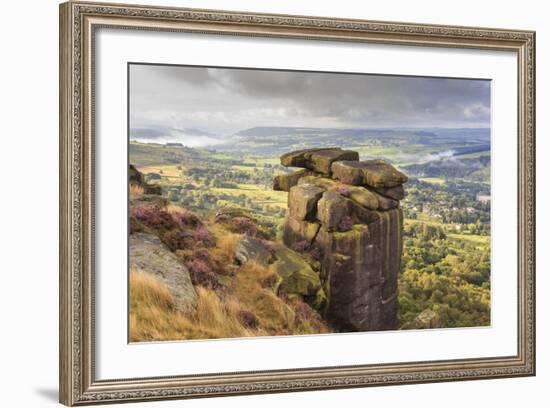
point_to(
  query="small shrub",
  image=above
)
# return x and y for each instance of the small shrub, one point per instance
(302, 311)
(346, 223)
(316, 252)
(305, 315)
(186, 218)
(201, 253)
(154, 217)
(248, 319)
(202, 274)
(245, 225)
(268, 245)
(203, 236)
(176, 239)
(300, 246)
(136, 190)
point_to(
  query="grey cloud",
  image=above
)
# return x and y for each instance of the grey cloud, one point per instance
(227, 100)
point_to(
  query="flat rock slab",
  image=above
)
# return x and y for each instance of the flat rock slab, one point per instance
(363, 197)
(319, 160)
(373, 173)
(251, 249)
(322, 182)
(149, 255)
(395, 193)
(302, 201)
(284, 182)
(385, 203)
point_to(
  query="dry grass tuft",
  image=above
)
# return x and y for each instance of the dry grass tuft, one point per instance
(223, 253)
(136, 190)
(153, 317)
(175, 209)
(244, 303)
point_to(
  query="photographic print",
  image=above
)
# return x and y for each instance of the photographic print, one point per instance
(322, 203)
(271, 202)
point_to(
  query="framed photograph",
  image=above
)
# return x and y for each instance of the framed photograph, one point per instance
(256, 203)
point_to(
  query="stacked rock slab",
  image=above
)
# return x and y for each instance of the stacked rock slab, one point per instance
(347, 213)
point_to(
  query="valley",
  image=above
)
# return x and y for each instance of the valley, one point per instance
(446, 259)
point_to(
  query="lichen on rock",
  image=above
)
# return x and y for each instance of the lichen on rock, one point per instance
(297, 277)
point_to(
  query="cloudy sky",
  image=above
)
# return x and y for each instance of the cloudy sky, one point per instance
(221, 101)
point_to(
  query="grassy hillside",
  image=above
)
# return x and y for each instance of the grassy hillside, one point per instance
(233, 300)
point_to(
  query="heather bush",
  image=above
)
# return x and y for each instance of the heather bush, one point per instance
(202, 235)
(201, 253)
(187, 219)
(154, 217)
(302, 310)
(316, 252)
(300, 246)
(177, 239)
(268, 245)
(245, 225)
(248, 319)
(306, 315)
(346, 223)
(202, 274)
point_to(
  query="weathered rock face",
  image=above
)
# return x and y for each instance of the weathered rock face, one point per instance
(302, 201)
(284, 182)
(347, 213)
(374, 173)
(149, 255)
(251, 249)
(135, 177)
(297, 277)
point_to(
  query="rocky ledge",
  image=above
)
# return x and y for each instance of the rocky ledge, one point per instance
(345, 213)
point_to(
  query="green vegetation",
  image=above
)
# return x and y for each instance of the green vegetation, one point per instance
(448, 274)
(446, 260)
(432, 180)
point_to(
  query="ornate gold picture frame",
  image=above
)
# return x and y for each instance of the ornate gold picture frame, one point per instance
(79, 22)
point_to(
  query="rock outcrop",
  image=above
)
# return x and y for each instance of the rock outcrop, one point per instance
(345, 213)
(136, 177)
(251, 249)
(149, 255)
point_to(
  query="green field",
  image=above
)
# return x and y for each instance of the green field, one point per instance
(257, 194)
(433, 180)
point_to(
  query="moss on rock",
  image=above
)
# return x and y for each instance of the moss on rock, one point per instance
(297, 276)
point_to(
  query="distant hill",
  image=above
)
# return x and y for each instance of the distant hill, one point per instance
(408, 143)
(399, 146)
(148, 154)
(474, 169)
